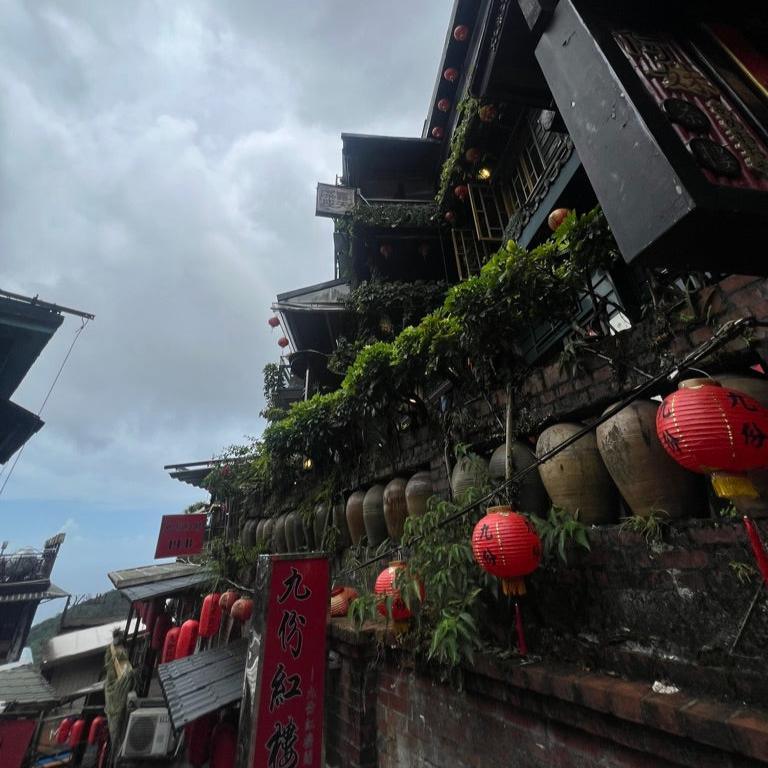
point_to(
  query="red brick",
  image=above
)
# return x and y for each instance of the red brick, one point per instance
(734, 283)
(749, 730)
(594, 691)
(565, 686)
(725, 534)
(684, 558)
(706, 722)
(626, 698)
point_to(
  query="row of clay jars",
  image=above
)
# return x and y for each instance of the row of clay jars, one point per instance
(528, 495)
(380, 511)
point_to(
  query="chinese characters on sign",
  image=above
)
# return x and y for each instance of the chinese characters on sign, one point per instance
(333, 200)
(180, 535)
(289, 716)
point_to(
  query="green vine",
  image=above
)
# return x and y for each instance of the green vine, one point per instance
(467, 111)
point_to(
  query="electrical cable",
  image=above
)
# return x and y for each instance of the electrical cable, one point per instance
(82, 327)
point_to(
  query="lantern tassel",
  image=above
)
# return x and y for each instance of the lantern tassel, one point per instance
(513, 587)
(757, 547)
(728, 485)
(521, 644)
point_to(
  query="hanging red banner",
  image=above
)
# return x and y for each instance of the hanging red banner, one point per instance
(287, 722)
(181, 535)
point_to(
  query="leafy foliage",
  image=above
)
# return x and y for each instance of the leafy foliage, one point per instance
(650, 527)
(557, 530)
(467, 111)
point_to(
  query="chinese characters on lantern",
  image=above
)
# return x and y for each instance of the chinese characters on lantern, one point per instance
(288, 722)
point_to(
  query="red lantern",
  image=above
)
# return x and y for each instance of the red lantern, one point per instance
(506, 545)
(63, 731)
(461, 33)
(210, 615)
(444, 105)
(557, 217)
(461, 191)
(437, 132)
(386, 250)
(273, 321)
(385, 586)
(185, 645)
(712, 429)
(94, 731)
(339, 602)
(227, 600)
(198, 739)
(77, 734)
(473, 155)
(487, 114)
(162, 625)
(282, 342)
(242, 609)
(451, 74)
(169, 645)
(450, 217)
(223, 746)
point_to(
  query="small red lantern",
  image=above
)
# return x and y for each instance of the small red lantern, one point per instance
(63, 731)
(386, 250)
(557, 217)
(185, 645)
(274, 321)
(77, 733)
(210, 615)
(223, 746)
(282, 342)
(437, 132)
(94, 731)
(461, 191)
(227, 600)
(450, 217)
(444, 105)
(162, 625)
(169, 645)
(198, 739)
(487, 114)
(339, 602)
(385, 586)
(242, 609)
(708, 428)
(473, 155)
(461, 33)
(506, 545)
(451, 74)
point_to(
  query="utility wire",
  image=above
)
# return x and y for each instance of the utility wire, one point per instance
(721, 336)
(82, 327)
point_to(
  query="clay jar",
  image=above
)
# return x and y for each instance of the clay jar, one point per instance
(340, 523)
(395, 510)
(648, 479)
(320, 522)
(354, 513)
(373, 515)
(469, 472)
(576, 478)
(418, 490)
(248, 536)
(260, 530)
(278, 535)
(290, 537)
(531, 496)
(299, 537)
(267, 531)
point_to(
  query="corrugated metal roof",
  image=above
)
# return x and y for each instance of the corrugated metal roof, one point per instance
(167, 587)
(52, 593)
(148, 574)
(82, 642)
(25, 685)
(203, 683)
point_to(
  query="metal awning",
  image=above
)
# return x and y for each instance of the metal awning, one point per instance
(203, 683)
(51, 593)
(168, 586)
(146, 574)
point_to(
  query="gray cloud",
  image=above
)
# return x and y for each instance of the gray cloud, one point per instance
(157, 167)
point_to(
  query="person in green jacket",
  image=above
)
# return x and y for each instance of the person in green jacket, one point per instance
(118, 683)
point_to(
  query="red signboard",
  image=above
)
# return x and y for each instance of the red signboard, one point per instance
(15, 736)
(181, 535)
(288, 725)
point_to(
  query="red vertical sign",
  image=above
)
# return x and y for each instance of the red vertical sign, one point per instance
(181, 535)
(289, 717)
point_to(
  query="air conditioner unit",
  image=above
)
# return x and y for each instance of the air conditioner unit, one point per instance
(148, 734)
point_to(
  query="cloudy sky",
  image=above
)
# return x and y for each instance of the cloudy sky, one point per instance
(157, 168)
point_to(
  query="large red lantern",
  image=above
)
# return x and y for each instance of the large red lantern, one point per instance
(227, 600)
(444, 105)
(242, 609)
(160, 630)
(386, 587)
(715, 430)
(223, 746)
(557, 217)
(63, 731)
(210, 615)
(274, 321)
(437, 132)
(461, 191)
(97, 725)
(187, 638)
(506, 545)
(77, 734)
(461, 33)
(282, 342)
(169, 645)
(451, 74)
